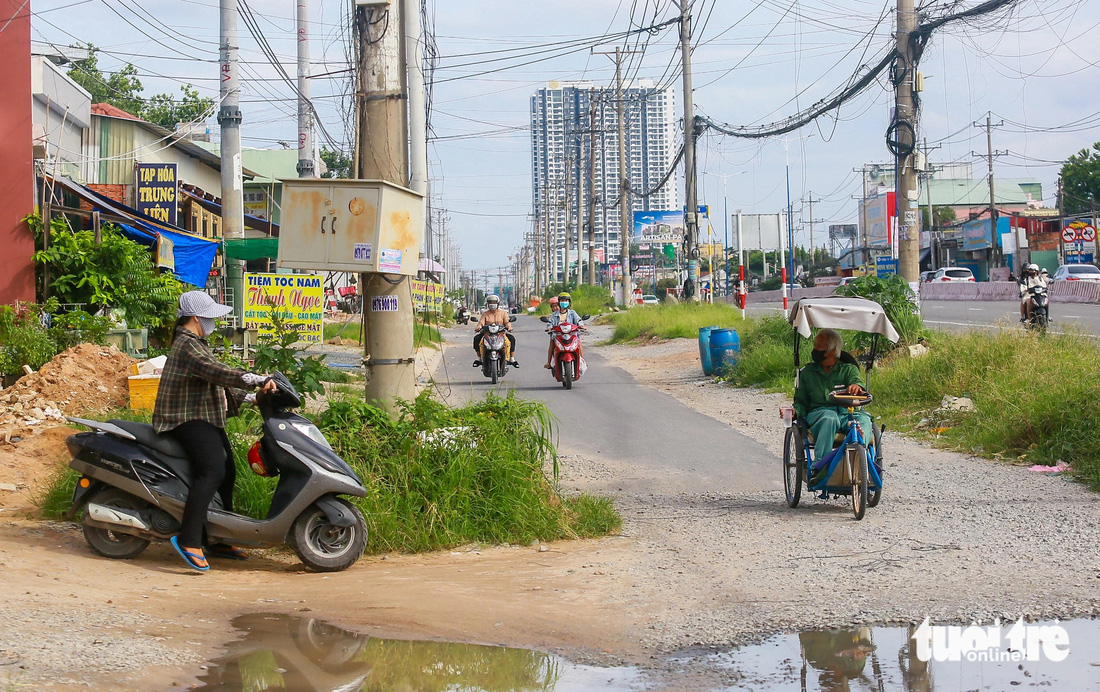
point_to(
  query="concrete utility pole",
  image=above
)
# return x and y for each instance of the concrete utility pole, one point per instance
(626, 222)
(995, 251)
(591, 195)
(691, 219)
(908, 230)
(305, 114)
(810, 201)
(383, 143)
(229, 119)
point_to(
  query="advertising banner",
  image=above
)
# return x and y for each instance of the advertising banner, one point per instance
(658, 226)
(879, 213)
(255, 203)
(428, 296)
(298, 298)
(156, 191)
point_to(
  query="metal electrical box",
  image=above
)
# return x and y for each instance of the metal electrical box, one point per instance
(333, 224)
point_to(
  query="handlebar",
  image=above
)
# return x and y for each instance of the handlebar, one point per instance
(845, 400)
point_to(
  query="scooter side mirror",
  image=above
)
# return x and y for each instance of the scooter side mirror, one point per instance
(545, 318)
(586, 317)
(513, 318)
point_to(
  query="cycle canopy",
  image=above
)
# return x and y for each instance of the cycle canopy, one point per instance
(837, 312)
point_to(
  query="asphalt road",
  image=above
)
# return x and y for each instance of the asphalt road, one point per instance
(609, 415)
(955, 315)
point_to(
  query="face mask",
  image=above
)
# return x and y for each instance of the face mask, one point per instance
(818, 356)
(564, 306)
(207, 324)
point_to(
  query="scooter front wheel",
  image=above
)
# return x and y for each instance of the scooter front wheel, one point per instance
(325, 547)
(114, 544)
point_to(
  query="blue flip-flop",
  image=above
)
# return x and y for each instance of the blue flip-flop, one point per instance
(188, 556)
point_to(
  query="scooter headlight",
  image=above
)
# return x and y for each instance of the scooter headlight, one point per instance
(311, 431)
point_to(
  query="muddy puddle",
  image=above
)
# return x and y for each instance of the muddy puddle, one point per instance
(1066, 657)
(279, 652)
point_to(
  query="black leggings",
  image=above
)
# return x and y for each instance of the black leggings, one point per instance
(212, 471)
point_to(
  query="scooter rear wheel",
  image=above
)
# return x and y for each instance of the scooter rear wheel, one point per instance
(113, 544)
(567, 374)
(325, 547)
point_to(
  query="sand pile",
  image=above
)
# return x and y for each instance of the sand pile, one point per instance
(84, 378)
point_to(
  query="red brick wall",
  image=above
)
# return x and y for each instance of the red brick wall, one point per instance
(115, 192)
(16, 162)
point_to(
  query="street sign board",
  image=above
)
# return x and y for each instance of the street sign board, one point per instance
(1069, 234)
(885, 266)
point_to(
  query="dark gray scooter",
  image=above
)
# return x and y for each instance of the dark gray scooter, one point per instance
(135, 482)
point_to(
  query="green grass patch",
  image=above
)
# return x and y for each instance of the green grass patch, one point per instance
(57, 498)
(424, 335)
(672, 321)
(586, 300)
(484, 485)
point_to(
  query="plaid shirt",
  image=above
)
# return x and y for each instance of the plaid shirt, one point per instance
(194, 384)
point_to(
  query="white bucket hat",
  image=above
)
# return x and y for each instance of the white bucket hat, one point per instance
(200, 304)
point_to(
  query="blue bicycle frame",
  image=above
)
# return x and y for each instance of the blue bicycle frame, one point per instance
(854, 436)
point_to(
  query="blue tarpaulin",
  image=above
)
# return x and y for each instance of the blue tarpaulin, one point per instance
(194, 255)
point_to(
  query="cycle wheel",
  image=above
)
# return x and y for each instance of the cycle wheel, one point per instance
(494, 372)
(567, 374)
(857, 466)
(879, 466)
(793, 466)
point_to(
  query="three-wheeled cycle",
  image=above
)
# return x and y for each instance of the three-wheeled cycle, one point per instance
(854, 467)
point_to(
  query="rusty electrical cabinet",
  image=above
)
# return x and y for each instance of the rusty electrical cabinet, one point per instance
(333, 224)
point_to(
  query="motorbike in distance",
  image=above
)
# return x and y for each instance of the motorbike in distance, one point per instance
(565, 363)
(462, 316)
(1039, 303)
(491, 351)
(134, 484)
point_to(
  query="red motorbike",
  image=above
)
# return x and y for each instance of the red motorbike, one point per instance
(565, 363)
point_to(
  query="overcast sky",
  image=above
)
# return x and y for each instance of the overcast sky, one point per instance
(1034, 67)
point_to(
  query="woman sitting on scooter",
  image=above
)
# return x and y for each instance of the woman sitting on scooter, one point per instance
(563, 314)
(197, 393)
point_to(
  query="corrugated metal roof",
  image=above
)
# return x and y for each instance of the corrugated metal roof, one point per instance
(975, 193)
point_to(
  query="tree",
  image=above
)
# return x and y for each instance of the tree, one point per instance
(1081, 181)
(165, 111)
(942, 216)
(339, 165)
(121, 89)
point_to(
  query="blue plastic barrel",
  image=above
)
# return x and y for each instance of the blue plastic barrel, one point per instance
(725, 349)
(704, 349)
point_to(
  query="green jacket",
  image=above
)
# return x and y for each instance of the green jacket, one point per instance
(814, 385)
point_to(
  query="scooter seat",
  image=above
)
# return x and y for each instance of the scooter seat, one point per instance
(147, 436)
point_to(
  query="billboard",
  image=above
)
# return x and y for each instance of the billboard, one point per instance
(658, 226)
(297, 297)
(760, 231)
(156, 191)
(878, 213)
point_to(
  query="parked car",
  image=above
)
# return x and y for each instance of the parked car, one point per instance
(847, 280)
(925, 277)
(1076, 272)
(649, 299)
(953, 274)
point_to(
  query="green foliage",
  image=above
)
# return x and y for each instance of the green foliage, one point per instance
(280, 352)
(587, 300)
(943, 216)
(767, 354)
(439, 477)
(892, 292)
(116, 273)
(1081, 180)
(123, 89)
(57, 498)
(24, 340)
(1034, 396)
(338, 163)
(671, 321)
(166, 111)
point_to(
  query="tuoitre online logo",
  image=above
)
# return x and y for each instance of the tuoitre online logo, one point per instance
(1015, 643)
